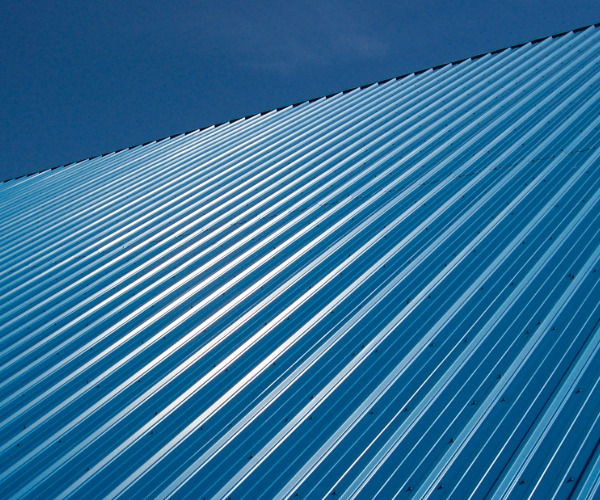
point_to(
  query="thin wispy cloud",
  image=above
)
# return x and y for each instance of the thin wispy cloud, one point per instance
(278, 39)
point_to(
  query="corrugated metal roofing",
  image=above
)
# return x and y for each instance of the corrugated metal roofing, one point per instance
(391, 292)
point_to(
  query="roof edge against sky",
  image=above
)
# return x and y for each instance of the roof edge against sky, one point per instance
(439, 66)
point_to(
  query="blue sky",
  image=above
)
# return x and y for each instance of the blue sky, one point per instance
(83, 78)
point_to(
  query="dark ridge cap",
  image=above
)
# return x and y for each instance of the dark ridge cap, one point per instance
(478, 56)
(558, 35)
(314, 99)
(538, 40)
(454, 63)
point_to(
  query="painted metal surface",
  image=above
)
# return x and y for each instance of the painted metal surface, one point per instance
(391, 292)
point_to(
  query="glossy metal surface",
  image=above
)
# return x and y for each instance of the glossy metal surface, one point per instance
(391, 292)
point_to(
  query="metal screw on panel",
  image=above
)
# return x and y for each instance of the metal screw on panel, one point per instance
(452, 440)
(502, 400)
(522, 481)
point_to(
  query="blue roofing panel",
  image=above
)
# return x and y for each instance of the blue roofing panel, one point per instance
(391, 292)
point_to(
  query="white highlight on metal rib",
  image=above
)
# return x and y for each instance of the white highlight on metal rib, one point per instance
(430, 483)
(370, 469)
(591, 486)
(321, 454)
(389, 155)
(198, 424)
(536, 435)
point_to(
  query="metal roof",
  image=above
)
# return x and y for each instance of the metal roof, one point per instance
(390, 292)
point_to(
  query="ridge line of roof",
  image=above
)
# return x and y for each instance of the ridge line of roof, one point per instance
(314, 99)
